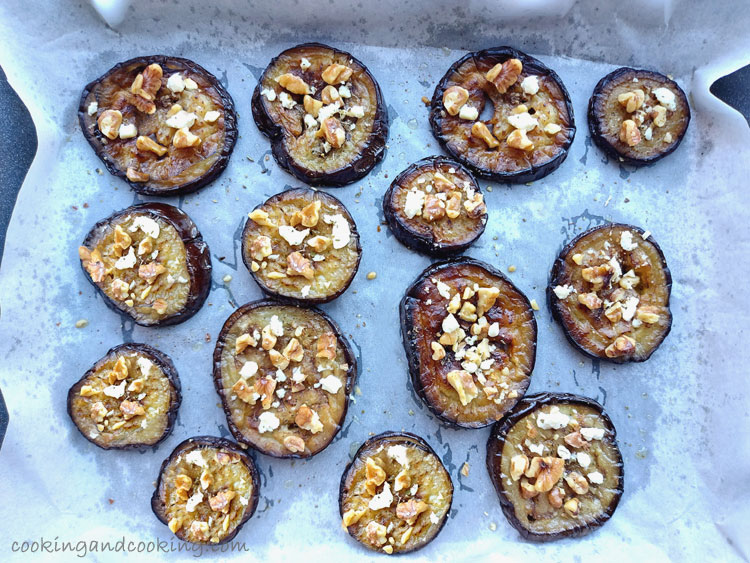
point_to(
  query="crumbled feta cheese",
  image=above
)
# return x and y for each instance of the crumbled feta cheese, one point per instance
(645, 235)
(450, 323)
(341, 233)
(563, 452)
(400, 454)
(191, 84)
(494, 330)
(327, 111)
(175, 83)
(115, 391)
(414, 489)
(286, 101)
(304, 64)
(196, 458)
(93, 108)
(243, 501)
(384, 499)
(616, 269)
(535, 448)
(552, 129)
(584, 459)
(414, 203)
(443, 289)
(562, 291)
(596, 477)
(297, 375)
(305, 291)
(280, 376)
(344, 91)
(182, 119)
(648, 133)
(552, 420)
(433, 518)
(147, 225)
(666, 98)
(269, 94)
(592, 433)
(276, 326)
(523, 121)
(629, 308)
(194, 501)
(126, 262)
(331, 383)
(356, 111)
(211, 116)
(530, 85)
(626, 241)
(127, 131)
(144, 365)
(249, 369)
(267, 422)
(280, 393)
(292, 235)
(469, 113)
(310, 121)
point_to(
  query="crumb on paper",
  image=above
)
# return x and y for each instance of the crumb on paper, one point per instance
(511, 268)
(372, 275)
(82, 323)
(227, 278)
(534, 305)
(465, 469)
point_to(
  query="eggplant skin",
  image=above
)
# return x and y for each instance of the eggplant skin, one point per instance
(92, 135)
(198, 258)
(158, 503)
(495, 444)
(502, 54)
(167, 367)
(556, 308)
(373, 152)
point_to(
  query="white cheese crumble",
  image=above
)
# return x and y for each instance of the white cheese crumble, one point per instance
(182, 119)
(596, 477)
(626, 241)
(562, 291)
(297, 375)
(176, 83)
(194, 501)
(269, 94)
(535, 448)
(563, 452)
(584, 459)
(592, 433)
(523, 121)
(414, 203)
(443, 289)
(552, 420)
(469, 113)
(645, 235)
(211, 116)
(450, 323)
(433, 518)
(127, 131)
(344, 91)
(249, 369)
(267, 422)
(384, 499)
(115, 391)
(292, 235)
(666, 98)
(552, 129)
(310, 121)
(304, 64)
(399, 453)
(331, 383)
(147, 225)
(144, 365)
(126, 262)
(196, 458)
(494, 330)
(327, 111)
(286, 101)
(356, 111)
(305, 291)
(93, 108)
(341, 234)
(648, 133)
(530, 85)
(629, 308)
(191, 84)
(276, 326)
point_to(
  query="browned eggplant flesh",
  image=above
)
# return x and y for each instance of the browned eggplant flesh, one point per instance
(149, 262)
(302, 246)
(324, 114)
(128, 399)
(284, 375)
(164, 124)
(470, 340)
(609, 290)
(638, 116)
(531, 126)
(556, 467)
(395, 495)
(435, 206)
(207, 489)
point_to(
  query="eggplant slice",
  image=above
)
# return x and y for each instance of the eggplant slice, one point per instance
(470, 340)
(638, 116)
(207, 489)
(396, 494)
(435, 206)
(301, 246)
(532, 125)
(323, 113)
(128, 399)
(609, 290)
(558, 477)
(149, 262)
(165, 125)
(284, 375)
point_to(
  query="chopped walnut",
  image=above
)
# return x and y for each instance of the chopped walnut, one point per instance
(135, 175)
(453, 205)
(310, 214)
(504, 75)
(402, 481)
(122, 239)
(375, 533)
(597, 275)
(298, 265)
(120, 369)
(590, 300)
(463, 383)
(438, 352)
(293, 83)
(351, 517)
(486, 297)
(220, 501)
(433, 208)
(294, 351)
(308, 419)
(261, 218)
(150, 271)
(326, 346)
(294, 444)
(519, 140)
(144, 143)
(547, 470)
(571, 507)
(333, 132)
(244, 392)
(120, 289)
(454, 99)
(475, 206)
(98, 411)
(622, 346)
(629, 133)
(480, 131)
(375, 475)
(199, 530)
(577, 482)
(647, 314)
(632, 101)
(242, 342)
(160, 306)
(519, 463)
(336, 74)
(311, 105)
(183, 138)
(575, 440)
(410, 510)
(330, 95)
(268, 338)
(260, 248)
(555, 497)
(131, 409)
(527, 489)
(614, 312)
(278, 360)
(659, 115)
(265, 387)
(109, 123)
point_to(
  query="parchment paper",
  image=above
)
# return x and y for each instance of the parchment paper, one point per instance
(682, 417)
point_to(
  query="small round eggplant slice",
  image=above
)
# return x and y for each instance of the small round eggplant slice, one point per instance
(302, 246)
(128, 399)
(556, 467)
(150, 262)
(531, 127)
(470, 340)
(435, 206)
(207, 489)
(609, 290)
(323, 113)
(395, 495)
(284, 375)
(165, 125)
(638, 116)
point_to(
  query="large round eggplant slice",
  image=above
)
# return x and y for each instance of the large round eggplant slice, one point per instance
(470, 340)
(531, 127)
(556, 467)
(207, 489)
(128, 399)
(302, 246)
(324, 114)
(395, 495)
(284, 375)
(150, 262)
(165, 125)
(435, 206)
(609, 290)
(638, 116)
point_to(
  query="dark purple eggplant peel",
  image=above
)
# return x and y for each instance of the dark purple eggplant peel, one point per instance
(324, 114)
(395, 495)
(532, 124)
(149, 262)
(163, 124)
(556, 467)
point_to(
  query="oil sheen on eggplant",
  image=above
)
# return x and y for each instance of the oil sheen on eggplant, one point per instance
(638, 116)
(207, 489)
(435, 206)
(532, 124)
(284, 375)
(165, 125)
(396, 494)
(149, 262)
(609, 290)
(302, 246)
(470, 340)
(556, 467)
(324, 114)
(128, 399)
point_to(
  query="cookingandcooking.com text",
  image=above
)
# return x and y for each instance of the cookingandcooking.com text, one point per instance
(82, 548)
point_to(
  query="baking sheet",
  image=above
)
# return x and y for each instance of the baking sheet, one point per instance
(682, 417)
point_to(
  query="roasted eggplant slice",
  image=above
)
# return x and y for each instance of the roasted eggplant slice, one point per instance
(302, 246)
(609, 290)
(435, 206)
(532, 125)
(207, 489)
(638, 116)
(324, 114)
(165, 125)
(149, 261)
(128, 399)
(470, 340)
(395, 495)
(284, 375)
(556, 467)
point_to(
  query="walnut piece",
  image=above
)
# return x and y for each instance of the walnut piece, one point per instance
(298, 265)
(590, 300)
(151, 271)
(330, 95)
(109, 123)
(131, 409)
(311, 105)
(183, 138)
(486, 297)
(293, 83)
(622, 346)
(438, 352)
(336, 74)
(326, 346)
(135, 175)
(220, 501)
(519, 140)
(433, 208)
(629, 133)
(480, 131)
(333, 131)
(454, 99)
(144, 143)
(463, 383)
(577, 482)
(519, 463)
(260, 248)
(504, 75)
(319, 243)
(547, 470)
(410, 510)
(632, 101)
(453, 205)
(294, 444)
